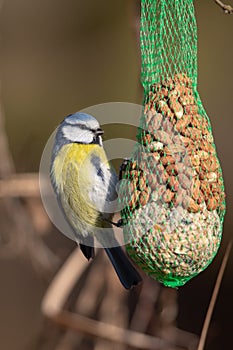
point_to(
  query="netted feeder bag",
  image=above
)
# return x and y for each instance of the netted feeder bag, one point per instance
(172, 195)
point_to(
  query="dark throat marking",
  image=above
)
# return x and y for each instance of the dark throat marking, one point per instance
(97, 164)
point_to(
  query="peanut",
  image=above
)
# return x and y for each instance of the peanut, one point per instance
(168, 196)
(182, 123)
(162, 137)
(211, 203)
(210, 164)
(211, 177)
(164, 109)
(183, 78)
(155, 123)
(172, 169)
(174, 148)
(190, 205)
(187, 100)
(152, 181)
(176, 107)
(155, 146)
(184, 181)
(193, 133)
(134, 199)
(191, 109)
(144, 197)
(178, 197)
(195, 188)
(174, 183)
(142, 182)
(146, 139)
(166, 160)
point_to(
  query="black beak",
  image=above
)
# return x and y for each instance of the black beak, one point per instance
(99, 132)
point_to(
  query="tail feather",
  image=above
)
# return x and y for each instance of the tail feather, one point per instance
(125, 270)
(87, 251)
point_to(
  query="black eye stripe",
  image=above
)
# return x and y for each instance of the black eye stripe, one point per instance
(84, 127)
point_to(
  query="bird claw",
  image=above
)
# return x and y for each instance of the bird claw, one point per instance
(123, 167)
(118, 224)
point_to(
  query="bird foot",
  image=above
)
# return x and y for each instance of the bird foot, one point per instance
(123, 167)
(119, 223)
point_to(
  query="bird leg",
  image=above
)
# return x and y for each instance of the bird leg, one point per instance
(123, 167)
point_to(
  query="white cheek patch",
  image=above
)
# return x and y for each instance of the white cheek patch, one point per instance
(75, 134)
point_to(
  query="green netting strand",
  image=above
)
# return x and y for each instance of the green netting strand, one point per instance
(168, 34)
(173, 199)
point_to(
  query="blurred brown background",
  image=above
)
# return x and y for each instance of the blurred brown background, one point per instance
(58, 57)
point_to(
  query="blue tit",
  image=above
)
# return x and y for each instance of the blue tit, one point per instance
(85, 186)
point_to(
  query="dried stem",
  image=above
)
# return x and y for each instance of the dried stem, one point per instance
(214, 298)
(109, 332)
(228, 9)
(55, 300)
(20, 185)
(17, 232)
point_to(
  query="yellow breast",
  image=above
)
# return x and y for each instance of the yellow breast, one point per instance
(72, 172)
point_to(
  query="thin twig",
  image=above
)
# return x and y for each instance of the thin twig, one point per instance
(55, 299)
(60, 288)
(228, 9)
(20, 185)
(145, 306)
(214, 298)
(17, 232)
(109, 332)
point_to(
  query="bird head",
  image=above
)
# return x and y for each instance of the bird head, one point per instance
(80, 128)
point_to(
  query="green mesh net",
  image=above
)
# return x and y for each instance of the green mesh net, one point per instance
(173, 196)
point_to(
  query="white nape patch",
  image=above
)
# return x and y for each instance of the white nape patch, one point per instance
(75, 134)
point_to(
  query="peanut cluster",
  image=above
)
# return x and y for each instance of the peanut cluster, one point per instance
(178, 159)
(174, 198)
